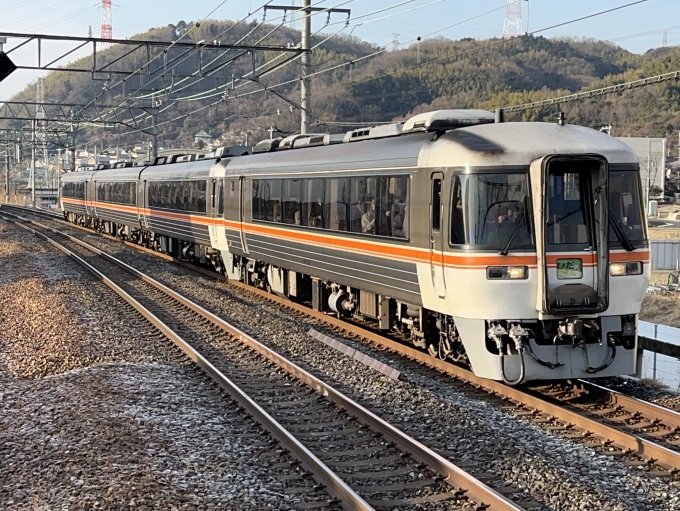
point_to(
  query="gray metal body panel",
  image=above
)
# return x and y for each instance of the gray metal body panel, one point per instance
(379, 275)
(181, 228)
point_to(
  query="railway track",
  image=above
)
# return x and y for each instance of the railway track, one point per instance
(360, 459)
(640, 433)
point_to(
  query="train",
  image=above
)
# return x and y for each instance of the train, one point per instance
(517, 248)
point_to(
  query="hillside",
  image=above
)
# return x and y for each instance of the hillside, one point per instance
(391, 85)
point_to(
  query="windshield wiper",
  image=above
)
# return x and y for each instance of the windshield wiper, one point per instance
(506, 247)
(620, 233)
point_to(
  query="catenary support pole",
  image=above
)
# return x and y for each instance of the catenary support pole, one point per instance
(306, 61)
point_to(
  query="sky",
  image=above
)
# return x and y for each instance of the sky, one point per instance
(636, 28)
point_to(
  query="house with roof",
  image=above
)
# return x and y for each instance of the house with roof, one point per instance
(202, 136)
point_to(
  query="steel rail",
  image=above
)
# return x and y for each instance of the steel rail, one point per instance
(453, 475)
(666, 416)
(630, 443)
(322, 473)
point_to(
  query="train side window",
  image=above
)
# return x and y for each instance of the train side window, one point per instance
(313, 203)
(292, 205)
(220, 199)
(336, 212)
(362, 204)
(436, 204)
(457, 222)
(273, 209)
(399, 206)
(200, 189)
(258, 199)
(133, 193)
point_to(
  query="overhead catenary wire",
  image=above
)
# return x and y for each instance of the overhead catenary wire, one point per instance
(213, 93)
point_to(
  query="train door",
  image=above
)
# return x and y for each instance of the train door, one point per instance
(217, 231)
(437, 233)
(233, 214)
(572, 234)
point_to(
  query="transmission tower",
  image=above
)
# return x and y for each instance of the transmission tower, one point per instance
(395, 41)
(512, 26)
(107, 29)
(664, 43)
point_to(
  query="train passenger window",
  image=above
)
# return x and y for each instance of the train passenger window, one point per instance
(398, 206)
(313, 203)
(457, 225)
(200, 203)
(436, 204)
(336, 212)
(258, 199)
(362, 204)
(292, 203)
(273, 208)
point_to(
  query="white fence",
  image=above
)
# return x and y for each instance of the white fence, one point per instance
(660, 367)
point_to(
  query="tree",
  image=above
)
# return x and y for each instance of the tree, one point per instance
(180, 28)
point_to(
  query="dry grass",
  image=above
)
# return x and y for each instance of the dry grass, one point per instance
(661, 233)
(654, 383)
(663, 309)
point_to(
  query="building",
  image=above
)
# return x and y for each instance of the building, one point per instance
(652, 155)
(202, 136)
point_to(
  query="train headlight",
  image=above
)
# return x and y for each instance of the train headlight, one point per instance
(516, 272)
(629, 268)
(507, 272)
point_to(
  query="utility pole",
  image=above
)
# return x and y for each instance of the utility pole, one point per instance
(34, 122)
(305, 44)
(7, 178)
(305, 91)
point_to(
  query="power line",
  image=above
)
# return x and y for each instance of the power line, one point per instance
(603, 91)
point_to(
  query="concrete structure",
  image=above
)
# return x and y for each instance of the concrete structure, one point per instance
(652, 155)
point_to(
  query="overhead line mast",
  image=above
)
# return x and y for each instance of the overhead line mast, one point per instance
(305, 46)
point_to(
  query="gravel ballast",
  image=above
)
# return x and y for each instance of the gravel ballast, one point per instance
(482, 437)
(98, 411)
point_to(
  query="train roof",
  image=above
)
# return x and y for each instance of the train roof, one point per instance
(520, 143)
(396, 151)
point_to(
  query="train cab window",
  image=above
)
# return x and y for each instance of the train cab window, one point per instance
(625, 207)
(497, 210)
(436, 204)
(457, 216)
(273, 209)
(292, 201)
(313, 203)
(337, 204)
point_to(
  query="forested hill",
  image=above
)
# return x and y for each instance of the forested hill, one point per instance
(440, 73)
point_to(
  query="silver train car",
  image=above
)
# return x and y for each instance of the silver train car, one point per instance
(519, 249)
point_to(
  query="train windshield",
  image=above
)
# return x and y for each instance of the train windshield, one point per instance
(489, 210)
(625, 207)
